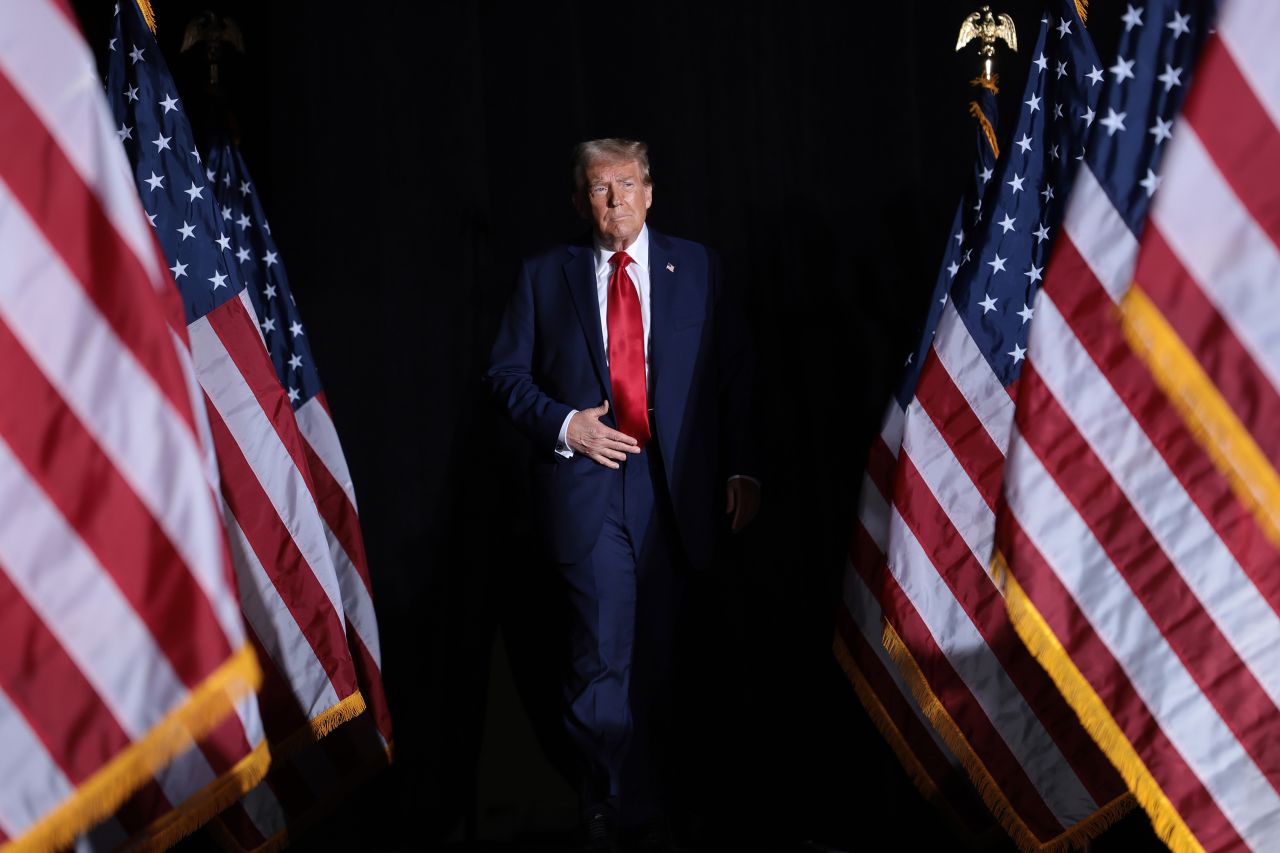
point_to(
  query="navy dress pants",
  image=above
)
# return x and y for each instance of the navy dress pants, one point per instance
(621, 612)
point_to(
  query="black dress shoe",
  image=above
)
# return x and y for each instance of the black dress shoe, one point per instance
(600, 836)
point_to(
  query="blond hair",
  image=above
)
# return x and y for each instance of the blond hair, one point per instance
(611, 150)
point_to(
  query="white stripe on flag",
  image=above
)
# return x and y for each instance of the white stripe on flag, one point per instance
(982, 673)
(190, 772)
(950, 483)
(81, 605)
(1221, 246)
(265, 811)
(147, 441)
(869, 619)
(356, 599)
(891, 430)
(1101, 236)
(873, 512)
(1248, 30)
(31, 783)
(250, 720)
(318, 429)
(1200, 557)
(972, 375)
(52, 68)
(1120, 621)
(263, 450)
(185, 775)
(277, 629)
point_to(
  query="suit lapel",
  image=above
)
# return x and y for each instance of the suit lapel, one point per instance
(662, 287)
(580, 277)
(664, 271)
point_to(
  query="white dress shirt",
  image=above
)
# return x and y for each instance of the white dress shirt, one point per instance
(638, 269)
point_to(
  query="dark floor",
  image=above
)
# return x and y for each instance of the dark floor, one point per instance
(520, 802)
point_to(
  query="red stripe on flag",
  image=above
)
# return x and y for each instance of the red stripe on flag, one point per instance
(78, 730)
(951, 784)
(240, 337)
(225, 744)
(52, 192)
(866, 558)
(289, 571)
(1238, 133)
(1203, 330)
(960, 427)
(965, 710)
(235, 819)
(221, 749)
(974, 590)
(880, 465)
(64, 6)
(281, 715)
(145, 805)
(1093, 659)
(1154, 580)
(338, 512)
(1089, 312)
(370, 679)
(107, 515)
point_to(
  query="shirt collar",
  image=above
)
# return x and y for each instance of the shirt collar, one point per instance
(638, 250)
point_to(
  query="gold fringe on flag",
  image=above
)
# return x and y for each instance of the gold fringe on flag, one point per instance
(987, 130)
(190, 815)
(988, 788)
(884, 723)
(888, 729)
(148, 14)
(992, 85)
(299, 824)
(1207, 415)
(103, 792)
(1082, 9)
(206, 803)
(322, 724)
(1092, 711)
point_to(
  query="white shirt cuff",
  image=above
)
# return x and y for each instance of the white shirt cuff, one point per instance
(562, 440)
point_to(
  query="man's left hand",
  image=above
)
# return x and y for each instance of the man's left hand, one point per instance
(742, 501)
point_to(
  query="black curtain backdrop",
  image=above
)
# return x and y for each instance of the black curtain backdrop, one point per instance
(409, 155)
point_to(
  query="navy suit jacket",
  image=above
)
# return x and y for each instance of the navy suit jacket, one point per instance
(549, 359)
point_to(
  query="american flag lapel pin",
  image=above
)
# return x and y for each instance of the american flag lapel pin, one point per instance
(671, 267)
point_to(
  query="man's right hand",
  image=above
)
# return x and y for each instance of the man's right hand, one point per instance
(588, 436)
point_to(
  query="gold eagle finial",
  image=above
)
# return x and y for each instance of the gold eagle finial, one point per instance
(988, 27)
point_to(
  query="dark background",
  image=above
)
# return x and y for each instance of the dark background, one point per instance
(409, 155)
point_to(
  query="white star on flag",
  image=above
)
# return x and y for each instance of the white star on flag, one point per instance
(1114, 121)
(1123, 69)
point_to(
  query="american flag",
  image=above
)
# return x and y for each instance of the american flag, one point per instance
(111, 522)
(888, 700)
(290, 593)
(928, 504)
(1142, 527)
(308, 781)
(263, 272)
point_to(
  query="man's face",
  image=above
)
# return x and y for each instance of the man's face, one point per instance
(616, 199)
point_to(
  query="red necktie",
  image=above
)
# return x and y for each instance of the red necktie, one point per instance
(626, 352)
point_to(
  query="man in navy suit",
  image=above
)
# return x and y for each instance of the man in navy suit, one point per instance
(625, 364)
